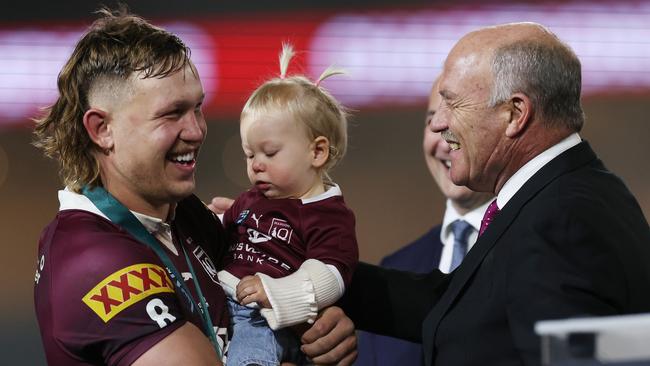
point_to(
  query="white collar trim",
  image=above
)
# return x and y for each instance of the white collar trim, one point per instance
(333, 191)
(69, 200)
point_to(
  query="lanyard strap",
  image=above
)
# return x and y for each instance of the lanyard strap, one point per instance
(122, 217)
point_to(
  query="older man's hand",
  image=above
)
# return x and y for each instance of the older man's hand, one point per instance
(331, 340)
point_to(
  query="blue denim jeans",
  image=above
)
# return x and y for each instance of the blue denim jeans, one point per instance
(254, 343)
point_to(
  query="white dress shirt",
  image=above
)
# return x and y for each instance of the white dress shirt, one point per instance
(508, 190)
(473, 217)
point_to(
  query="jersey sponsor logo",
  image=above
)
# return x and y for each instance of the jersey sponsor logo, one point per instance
(280, 229)
(246, 252)
(126, 287)
(206, 262)
(256, 237)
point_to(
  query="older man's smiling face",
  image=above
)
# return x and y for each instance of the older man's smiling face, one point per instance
(436, 154)
(471, 128)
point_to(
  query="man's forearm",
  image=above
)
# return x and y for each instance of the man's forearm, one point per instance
(392, 302)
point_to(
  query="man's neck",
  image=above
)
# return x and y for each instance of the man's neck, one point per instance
(526, 149)
(139, 204)
(526, 172)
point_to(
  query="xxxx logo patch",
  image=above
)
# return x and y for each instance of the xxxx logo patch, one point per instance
(126, 287)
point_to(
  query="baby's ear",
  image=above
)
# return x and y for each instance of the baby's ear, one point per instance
(320, 148)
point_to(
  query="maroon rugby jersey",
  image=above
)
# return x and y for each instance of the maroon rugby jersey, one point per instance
(275, 236)
(104, 298)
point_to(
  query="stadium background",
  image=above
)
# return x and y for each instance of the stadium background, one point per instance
(392, 50)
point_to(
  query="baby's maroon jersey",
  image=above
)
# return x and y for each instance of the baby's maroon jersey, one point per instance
(274, 236)
(102, 297)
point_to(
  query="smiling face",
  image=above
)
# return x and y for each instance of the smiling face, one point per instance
(474, 131)
(436, 154)
(279, 156)
(156, 134)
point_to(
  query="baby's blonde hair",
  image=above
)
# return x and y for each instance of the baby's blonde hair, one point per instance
(307, 102)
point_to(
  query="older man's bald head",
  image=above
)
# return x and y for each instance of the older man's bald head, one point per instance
(502, 34)
(528, 58)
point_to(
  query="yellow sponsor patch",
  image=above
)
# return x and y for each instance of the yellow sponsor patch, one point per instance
(126, 287)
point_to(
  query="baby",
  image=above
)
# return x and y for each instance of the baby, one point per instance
(292, 240)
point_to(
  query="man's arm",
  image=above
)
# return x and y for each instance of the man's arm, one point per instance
(392, 302)
(383, 301)
(184, 346)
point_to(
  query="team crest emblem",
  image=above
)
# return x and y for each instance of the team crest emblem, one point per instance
(280, 229)
(242, 216)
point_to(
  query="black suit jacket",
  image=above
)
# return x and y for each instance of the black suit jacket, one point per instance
(573, 241)
(421, 256)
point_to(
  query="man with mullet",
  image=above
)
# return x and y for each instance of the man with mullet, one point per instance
(127, 269)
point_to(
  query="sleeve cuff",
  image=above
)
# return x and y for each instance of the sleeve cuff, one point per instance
(229, 283)
(297, 298)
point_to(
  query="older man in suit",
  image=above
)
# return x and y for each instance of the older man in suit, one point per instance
(564, 237)
(443, 247)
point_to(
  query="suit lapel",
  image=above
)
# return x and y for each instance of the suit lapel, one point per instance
(569, 160)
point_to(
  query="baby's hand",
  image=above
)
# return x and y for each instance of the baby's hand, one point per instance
(250, 289)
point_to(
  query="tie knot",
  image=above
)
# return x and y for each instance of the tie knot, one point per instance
(490, 213)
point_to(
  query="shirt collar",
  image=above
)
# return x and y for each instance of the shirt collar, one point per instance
(473, 217)
(69, 200)
(529, 169)
(152, 224)
(330, 191)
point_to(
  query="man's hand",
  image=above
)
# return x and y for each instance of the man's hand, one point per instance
(219, 205)
(250, 289)
(331, 340)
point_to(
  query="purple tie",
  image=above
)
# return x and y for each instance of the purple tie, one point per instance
(490, 213)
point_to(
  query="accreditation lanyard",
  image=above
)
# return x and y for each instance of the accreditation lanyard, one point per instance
(121, 216)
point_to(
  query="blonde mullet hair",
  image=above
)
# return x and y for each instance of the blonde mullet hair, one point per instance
(114, 48)
(308, 103)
